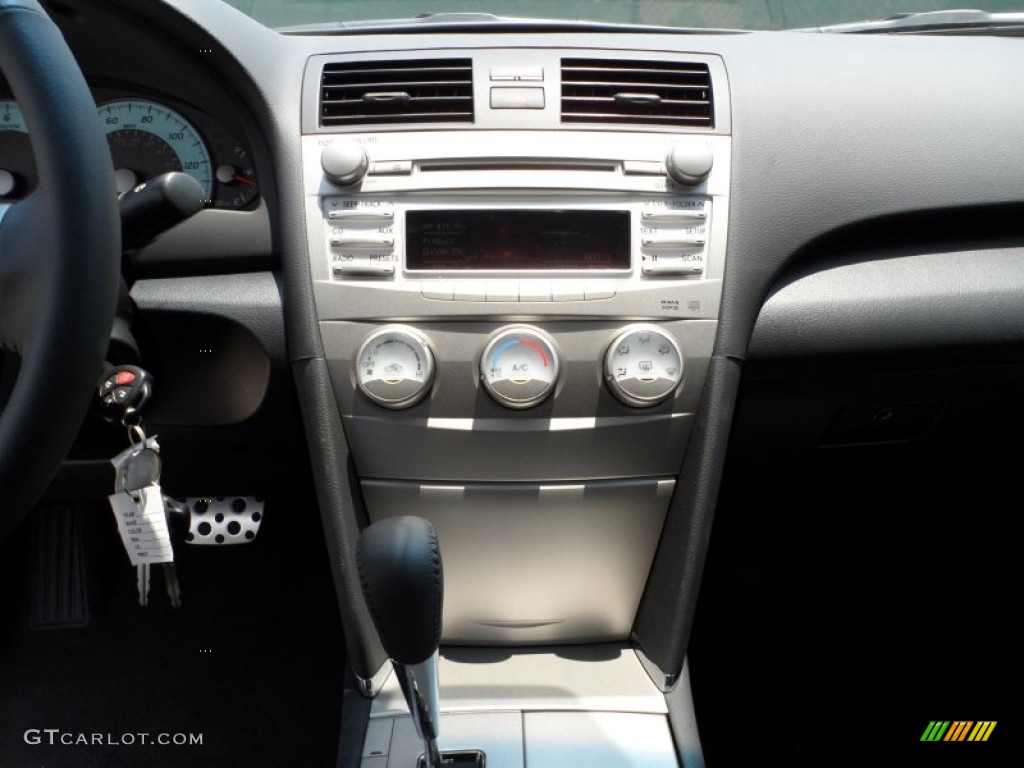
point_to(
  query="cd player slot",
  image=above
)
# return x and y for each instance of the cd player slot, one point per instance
(517, 164)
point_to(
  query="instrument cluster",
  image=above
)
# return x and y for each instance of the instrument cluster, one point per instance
(147, 138)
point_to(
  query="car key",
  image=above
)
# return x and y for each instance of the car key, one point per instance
(141, 470)
(140, 511)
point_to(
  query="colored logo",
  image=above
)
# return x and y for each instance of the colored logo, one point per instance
(958, 730)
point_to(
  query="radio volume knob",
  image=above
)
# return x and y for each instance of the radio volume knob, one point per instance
(689, 163)
(344, 162)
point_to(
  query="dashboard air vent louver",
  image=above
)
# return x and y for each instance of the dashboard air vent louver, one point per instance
(394, 92)
(637, 92)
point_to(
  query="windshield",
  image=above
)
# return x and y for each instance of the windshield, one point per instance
(710, 14)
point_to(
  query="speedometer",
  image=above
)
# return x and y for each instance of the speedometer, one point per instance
(148, 139)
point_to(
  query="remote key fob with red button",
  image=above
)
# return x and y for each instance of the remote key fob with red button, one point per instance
(123, 391)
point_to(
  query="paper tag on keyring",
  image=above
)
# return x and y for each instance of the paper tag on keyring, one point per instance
(143, 525)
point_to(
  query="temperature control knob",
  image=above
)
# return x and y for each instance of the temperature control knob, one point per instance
(519, 367)
(643, 366)
(689, 163)
(395, 367)
(344, 162)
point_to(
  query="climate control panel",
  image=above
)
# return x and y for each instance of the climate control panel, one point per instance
(519, 366)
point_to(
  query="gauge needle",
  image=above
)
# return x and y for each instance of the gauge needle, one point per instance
(243, 180)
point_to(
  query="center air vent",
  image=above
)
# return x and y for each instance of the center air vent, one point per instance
(637, 92)
(391, 92)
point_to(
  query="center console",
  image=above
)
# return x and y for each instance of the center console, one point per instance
(517, 311)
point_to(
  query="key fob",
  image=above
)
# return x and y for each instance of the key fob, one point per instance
(123, 390)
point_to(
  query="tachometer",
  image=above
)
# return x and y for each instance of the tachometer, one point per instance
(148, 139)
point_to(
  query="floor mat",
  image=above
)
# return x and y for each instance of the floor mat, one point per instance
(247, 673)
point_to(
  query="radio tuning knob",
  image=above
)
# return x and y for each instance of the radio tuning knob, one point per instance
(688, 163)
(344, 162)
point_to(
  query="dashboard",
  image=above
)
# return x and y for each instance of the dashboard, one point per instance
(542, 283)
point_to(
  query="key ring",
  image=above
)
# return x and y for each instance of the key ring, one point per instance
(131, 417)
(136, 434)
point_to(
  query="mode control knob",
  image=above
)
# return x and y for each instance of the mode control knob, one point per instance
(643, 366)
(519, 367)
(689, 163)
(395, 367)
(344, 162)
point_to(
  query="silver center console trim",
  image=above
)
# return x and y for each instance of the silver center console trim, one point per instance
(594, 678)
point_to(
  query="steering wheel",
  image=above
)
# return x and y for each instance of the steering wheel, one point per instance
(59, 260)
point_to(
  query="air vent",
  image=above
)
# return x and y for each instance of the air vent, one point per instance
(637, 92)
(407, 91)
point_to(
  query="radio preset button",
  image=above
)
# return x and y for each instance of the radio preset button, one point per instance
(534, 290)
(470, 290)
(442, 290)
(598, 289)
(502, 290)
(567, 290)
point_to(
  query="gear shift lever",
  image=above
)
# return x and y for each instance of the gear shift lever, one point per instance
(400, 570)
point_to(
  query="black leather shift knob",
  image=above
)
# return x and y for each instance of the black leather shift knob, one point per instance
(400, 569)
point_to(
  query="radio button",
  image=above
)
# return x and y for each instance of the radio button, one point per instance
(363, 267)
(470, 290)
(567, 290)
(442, 290)
(502, 290)
(534, 290)
(598, 289)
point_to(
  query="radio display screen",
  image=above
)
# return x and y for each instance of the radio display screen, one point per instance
(527, 240)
